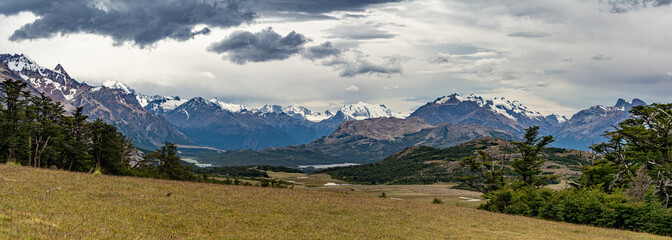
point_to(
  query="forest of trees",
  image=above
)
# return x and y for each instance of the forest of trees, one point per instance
(629, 186)
(37, 132)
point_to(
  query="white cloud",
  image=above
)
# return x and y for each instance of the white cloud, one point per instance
(352, 88)
(208, 74)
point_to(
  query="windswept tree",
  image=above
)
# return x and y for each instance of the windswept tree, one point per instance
(643, 141)
(486, 174)
(528, 166)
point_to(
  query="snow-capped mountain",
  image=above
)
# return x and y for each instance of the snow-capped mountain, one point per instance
(295, 111)
(362, 110)
(54, 83)
(159, 104)
(499, 105)
(473, 110)
(588, 126)
(115, 103)
(583, 129)
(231, 128)
(231, 107)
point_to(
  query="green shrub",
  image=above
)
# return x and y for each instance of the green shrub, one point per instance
(582, 206)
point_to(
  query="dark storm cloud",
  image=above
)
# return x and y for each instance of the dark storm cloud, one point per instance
(529, 34)
(322, 51)
(139, 22)
(242, 46)
(621, 6)
(144, 23)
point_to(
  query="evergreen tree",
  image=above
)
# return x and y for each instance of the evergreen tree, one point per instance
(15, 101)
(528, 166)
(169, 163)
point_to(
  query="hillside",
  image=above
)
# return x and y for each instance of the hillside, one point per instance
(39, 203)
(426, 165)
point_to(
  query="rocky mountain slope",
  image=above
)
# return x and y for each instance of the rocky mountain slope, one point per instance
(587, 127)
(111, 105)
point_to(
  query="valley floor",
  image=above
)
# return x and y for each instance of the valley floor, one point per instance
(38, 203)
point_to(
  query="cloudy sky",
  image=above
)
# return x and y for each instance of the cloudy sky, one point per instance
(553, 56)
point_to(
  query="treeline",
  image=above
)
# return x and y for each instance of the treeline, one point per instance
(245, 171)
(36, 132)
(629, 187)
(413, 165)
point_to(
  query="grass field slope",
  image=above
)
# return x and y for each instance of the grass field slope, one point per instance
(50, 204)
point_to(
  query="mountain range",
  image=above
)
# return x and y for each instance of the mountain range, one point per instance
(111, 105)
(152, 120)
(362, 141)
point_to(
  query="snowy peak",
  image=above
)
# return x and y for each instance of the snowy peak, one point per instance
(456, 99)
(513, 109)
(59, 69)
(295, 111)
(56, 84)
(510, 109)
(111, 84)
(600, 111)
(21, 62)
(228, 106)
(362, 110)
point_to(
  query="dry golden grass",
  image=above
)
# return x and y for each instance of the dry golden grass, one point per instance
(47, 204)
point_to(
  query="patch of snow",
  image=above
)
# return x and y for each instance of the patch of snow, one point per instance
(318, 116)
(186, 113)
(172, 103)
(142, 100)
(336, 184)
(470, 199)
(228, 106)
(70, 95)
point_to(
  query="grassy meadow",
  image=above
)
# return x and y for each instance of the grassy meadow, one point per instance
(51, 204)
